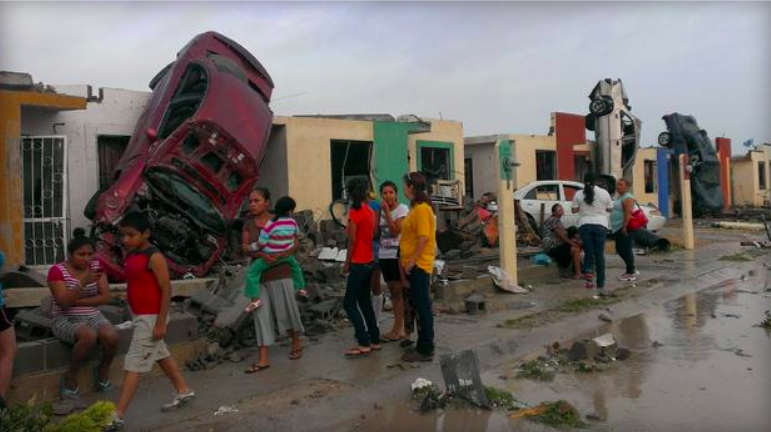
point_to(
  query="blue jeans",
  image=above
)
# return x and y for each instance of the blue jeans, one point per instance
(420, 285)
(357, 297)
(593, 239)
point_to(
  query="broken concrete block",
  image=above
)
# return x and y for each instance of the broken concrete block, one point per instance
(325, 310)
(205, 302)
(233, 316)
(605, 341)
(475, 303)
(623, 354)
(31, 325)
(461, 376)
(583, 350)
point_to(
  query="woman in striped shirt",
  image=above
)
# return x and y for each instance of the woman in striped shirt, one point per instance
(78, 285)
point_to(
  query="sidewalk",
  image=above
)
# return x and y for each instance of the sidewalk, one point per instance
(324, 390)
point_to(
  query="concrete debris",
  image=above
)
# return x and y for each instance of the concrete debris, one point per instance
(605, 317)
(226, 409)
(475, 303)
(420, 383)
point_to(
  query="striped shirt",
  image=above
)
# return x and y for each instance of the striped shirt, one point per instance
(278, 236)
(59, 272)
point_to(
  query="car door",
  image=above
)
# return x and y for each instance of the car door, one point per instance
(539, 201)
(568, 191)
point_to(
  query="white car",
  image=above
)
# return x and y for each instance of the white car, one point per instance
(542, 195)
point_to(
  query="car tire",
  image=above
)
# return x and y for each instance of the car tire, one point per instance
(665, 139)
(601, 106)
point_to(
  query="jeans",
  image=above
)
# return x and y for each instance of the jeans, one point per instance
(593, 239)
(420, 285)
(624, 244)
(357, 298)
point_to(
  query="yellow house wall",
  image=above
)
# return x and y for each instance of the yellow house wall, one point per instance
(525, 147)
(11, 199)
(445, 131)
(745, 182)
(638, 173)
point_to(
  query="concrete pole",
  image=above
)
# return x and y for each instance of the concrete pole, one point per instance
(685, 202)
(507, 228)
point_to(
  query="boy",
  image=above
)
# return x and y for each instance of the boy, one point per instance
(277, 241)
(149, 295)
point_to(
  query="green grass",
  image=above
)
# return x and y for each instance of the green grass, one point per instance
(737, 257)
(584, 304)
(536, 370)
(500, 398)
(766, 323)
(560, 415)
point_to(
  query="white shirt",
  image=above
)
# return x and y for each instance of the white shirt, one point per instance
(597, 212)
(389, 243)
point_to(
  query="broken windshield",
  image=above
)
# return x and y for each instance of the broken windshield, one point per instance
(186, 199)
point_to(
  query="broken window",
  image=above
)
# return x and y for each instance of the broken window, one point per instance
(762, 175)
(186, 100)
(545, 165)
(110, 149)
(468, 176)
(650, 174)
(349, 159)
(212, 162)
(435, 163)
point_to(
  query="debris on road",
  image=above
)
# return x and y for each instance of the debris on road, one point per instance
(226, 409)
(766, 323)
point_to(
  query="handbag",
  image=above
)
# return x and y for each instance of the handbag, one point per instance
(638, 219)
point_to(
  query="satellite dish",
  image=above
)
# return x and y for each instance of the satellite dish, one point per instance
(749, 143)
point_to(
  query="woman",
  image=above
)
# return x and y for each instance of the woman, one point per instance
(78, 285)
(392, 214)
(558, 244)
(592, 205)
(619, 219)
(417, 249)
(279, 313)
(7, 344)
(359, 266)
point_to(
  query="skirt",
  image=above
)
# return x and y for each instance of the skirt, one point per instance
(279, 312)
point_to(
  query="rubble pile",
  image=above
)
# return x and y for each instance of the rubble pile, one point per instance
(588, 355)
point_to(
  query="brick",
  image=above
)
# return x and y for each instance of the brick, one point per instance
(30, 358)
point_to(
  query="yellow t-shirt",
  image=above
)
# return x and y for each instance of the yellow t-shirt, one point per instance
(420, 222)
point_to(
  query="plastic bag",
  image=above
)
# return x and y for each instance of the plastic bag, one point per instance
(503, 281)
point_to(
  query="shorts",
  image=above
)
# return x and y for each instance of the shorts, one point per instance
(389, 268)
(144, 351)
(5, 322)
(64, 327)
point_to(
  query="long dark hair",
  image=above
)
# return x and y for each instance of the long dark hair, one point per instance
(589, 183)
(419, 188)
(79, 239)
(358, 189)
(284, 206)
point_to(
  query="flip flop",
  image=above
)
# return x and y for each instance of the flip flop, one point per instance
(388, 338)
(375, 347)
(296, 354)
(357, 352)
(253, 369)
(252, 306)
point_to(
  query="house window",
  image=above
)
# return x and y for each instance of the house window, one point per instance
(349, 159)
(762, 175)
(110, 149)
(651, 174)
(435, 163)
(545, 165)
(468, 176)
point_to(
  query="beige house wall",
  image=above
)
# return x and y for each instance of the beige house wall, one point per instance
(745, 179)
(446, 131)
(638, 180)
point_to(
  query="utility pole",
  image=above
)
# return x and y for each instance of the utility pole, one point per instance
(686, 208)
(507, 182)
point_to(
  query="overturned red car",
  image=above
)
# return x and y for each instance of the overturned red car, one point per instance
(193, 158)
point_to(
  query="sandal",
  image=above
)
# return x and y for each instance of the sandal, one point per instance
(388, 338)
(375, 347)
(296, 354)
(252, 306)
(357, 352)
(254, 368)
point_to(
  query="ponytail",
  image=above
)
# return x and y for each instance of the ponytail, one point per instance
(589, 183)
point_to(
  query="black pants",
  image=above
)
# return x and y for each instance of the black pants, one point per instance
(624, 243)
(420, 286)
(357, 298)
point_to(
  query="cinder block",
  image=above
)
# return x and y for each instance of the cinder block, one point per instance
(57, 354)
(182, 327)
(31, 326)
(30, 358)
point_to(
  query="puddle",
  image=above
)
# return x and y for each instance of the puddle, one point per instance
(698, 364)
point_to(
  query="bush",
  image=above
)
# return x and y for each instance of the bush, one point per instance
(27, 417)
(93, 419)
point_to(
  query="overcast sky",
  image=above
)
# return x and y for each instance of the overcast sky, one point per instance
(497, 67)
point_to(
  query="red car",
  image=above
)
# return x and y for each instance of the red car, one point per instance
(193, 158)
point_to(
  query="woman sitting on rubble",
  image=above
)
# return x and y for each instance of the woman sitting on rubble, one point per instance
(279, 313)
(559, 244)
(359, 266)
(78, 285)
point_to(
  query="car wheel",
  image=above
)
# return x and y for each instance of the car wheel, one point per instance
(601, 106)
(665, 139)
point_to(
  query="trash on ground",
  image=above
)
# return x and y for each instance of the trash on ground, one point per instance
(504, 281)
(226, 409)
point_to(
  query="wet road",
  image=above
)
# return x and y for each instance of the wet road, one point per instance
(708, 370)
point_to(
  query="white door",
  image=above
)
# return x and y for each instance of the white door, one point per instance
(44, 184)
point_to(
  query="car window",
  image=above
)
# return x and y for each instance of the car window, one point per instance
(570, 191)
(213, 162)
(188, 96)
(544, 193)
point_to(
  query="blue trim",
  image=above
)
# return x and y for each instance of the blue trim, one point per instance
(662, 165)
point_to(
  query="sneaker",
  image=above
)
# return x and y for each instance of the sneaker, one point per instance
(179, 401)
(628, 277)
(414, 356)
(115, 424)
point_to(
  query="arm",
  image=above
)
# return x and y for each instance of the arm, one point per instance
(627, 206)
(423, 226)
(103, 295)
(394, 225)
(160, 269)
(563, 235)
(351, 241)
(245, 240)
(576, 205)
(64, 297)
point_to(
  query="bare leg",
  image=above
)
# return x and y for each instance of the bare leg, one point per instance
(169, 367)
(85, 339)
(108, 338)
(130, 384)
(575, 254)
(7, 354)
(398, 303)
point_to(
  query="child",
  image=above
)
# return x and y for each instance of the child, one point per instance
(276, 243)
(149, 294)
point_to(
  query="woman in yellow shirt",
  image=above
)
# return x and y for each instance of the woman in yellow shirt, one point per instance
(416, 250)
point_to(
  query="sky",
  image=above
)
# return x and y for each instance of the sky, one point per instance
(497, 67)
